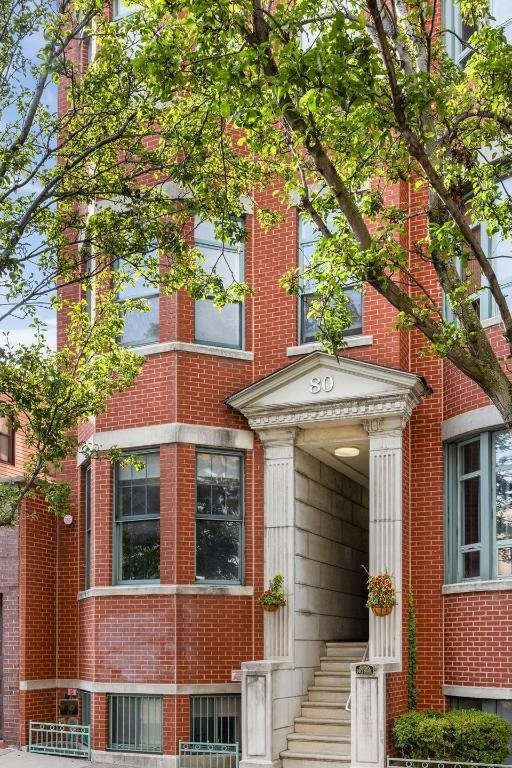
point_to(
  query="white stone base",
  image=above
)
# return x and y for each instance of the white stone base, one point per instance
(256, 763)
(134, 760)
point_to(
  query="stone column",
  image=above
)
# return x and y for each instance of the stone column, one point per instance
(279, 536)
(385, 632)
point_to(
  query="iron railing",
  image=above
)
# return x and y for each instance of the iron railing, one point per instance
(60, 739)
(201, 754)
(399, 762)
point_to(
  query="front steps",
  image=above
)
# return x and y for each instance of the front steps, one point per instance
(321, 738)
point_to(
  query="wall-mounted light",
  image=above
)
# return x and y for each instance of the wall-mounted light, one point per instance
(346, 451)
(67, 519)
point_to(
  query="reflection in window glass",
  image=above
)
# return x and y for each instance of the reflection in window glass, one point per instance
(139, 327)
(222, 328)
(309, 326)
(480, 506)
(219, 516)
(138, 520)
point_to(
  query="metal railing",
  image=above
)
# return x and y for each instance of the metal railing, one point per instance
(202, 754)
(399, 762)
(60, 739)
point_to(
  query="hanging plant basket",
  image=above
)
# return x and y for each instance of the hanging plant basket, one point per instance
(269, 608)
(382, 610)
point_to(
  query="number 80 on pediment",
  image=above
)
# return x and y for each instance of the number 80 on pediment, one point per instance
(319, 384)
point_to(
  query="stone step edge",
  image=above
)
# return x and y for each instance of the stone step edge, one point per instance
(340, 659)
(320, 720)
(317, 704)
(320, 737)
(330, 688)
(344, 643)
(325, 757)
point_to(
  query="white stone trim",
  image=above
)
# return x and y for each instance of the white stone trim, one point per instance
(348, 410)
(463, 587)
(476, 692)
(197, 349)
(134, 590)
(477, 420)
(134, 759)
(351, 341)
(161, 689)
(174, 432)
(496, 320)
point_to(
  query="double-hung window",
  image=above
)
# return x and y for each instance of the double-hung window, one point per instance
(219, 516)
(479, 507)
(137, 519)
(309, 326)
(87, 526)
(220, 328)
(6, 442)
(140, 327)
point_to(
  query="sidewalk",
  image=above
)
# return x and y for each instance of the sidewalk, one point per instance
(16, 758)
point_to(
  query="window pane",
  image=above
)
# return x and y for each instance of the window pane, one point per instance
(214, 326)
(504, 709)
(141, 327)
(471, 510)
(471, 457)
(140, 550)
(218, 485)
(505, 561)
(218, 550)
(471, 565)
(501, 10)
(503, 463)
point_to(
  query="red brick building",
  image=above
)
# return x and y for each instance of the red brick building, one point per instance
(262, 455)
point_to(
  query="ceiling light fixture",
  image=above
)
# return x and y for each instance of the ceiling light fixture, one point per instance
(346, 451)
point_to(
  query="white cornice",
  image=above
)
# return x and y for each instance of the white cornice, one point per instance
(354, 409)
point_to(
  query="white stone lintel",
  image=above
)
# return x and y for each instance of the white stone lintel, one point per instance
(162, 689)
(127, 590)
(173, 432)
(197, 349)
(351, 341)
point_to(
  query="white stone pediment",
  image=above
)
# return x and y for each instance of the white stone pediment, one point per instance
(320, 381)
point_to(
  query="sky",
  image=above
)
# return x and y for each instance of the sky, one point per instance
(18, 328)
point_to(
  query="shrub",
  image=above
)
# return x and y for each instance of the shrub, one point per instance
(460, 735)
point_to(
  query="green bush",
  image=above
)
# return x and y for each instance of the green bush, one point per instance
(462, 735)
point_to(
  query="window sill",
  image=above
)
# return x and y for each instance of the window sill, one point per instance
(198, 349)
(463, 587)
(490, 321)
(128, 590)
(352, 341)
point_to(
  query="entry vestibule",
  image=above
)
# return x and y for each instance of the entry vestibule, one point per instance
(301, 413)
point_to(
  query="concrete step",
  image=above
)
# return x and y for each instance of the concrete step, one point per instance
(346, 649)
(325, 709)
(319, 745)
(337, 693)
(322, 726)
(330, 664)
(332, 678)
(307, 760)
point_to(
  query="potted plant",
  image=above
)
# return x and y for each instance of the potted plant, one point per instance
(381, 594)
(273, 597)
